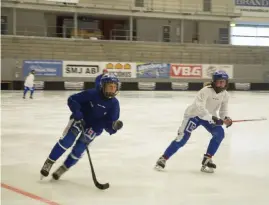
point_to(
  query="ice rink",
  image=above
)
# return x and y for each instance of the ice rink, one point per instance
(30, 128)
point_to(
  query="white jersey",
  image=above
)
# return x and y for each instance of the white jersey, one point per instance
(29, 81)
(207, 103)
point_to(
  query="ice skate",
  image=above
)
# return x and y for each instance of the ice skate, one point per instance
(46, 168)
(160, 164)
(59, 172)
(207, 165)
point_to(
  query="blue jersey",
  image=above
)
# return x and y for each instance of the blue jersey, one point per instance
(97, 81)
(98, 112)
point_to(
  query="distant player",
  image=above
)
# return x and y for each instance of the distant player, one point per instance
(92, 110)
(29, 84)
(203, 112)
(98, 79)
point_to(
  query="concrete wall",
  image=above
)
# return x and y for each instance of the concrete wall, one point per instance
(208, 31)
(30, 22)
(8, 69)
(8, 13)
(160, 4)
(39, 23)
(189, 30)
(215, 3)
(151, 29)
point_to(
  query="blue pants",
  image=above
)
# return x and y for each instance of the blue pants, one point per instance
(69, 138)
(184, 133)
(26, 89)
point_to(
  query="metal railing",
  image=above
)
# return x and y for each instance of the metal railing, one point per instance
(167, 6)
(54, 31)
(123, 34)
(93, 34)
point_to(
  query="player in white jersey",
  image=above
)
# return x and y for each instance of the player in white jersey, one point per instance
(29, 84)
(203, 111)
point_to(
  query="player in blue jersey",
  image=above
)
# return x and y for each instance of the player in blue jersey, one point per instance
(98, 79)
(92, 110)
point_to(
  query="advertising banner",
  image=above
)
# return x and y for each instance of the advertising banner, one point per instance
(146, 85)
(152, 70)
(209, 69)
(242, 86)
(180, 86)
(39, 85)
(252, 8)
(186, 71)
(81, 69)
(74, 85)
(120, 69)
(43, 67)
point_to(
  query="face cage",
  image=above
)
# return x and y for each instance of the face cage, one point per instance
(218, 89)
(110, 95)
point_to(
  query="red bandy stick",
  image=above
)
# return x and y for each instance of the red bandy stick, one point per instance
(248, 120)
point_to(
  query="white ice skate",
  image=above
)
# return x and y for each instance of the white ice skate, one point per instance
(207, 165)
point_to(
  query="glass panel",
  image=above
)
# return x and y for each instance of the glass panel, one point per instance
(244, 31)
(262, 41)
(263, 32)
(244, 41)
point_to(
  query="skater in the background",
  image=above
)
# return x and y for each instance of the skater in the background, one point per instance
(92, 111)
(29, 84)
(98, 79)
(203, 112)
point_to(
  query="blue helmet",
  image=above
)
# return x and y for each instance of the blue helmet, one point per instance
(219, 75)
(107, 79)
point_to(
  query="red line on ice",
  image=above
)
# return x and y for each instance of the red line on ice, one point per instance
(32, 196)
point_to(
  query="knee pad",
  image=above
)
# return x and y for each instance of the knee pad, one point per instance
(218, 134)
(182, 138)
(67, 141)
(78, 150)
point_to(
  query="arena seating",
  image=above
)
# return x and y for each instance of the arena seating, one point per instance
(22, 47)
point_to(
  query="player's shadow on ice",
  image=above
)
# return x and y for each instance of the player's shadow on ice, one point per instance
(185, 172)
(73, 184)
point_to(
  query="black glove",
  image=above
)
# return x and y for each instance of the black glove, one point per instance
(88, 136)
(77, 127)
(117, 125)
(81, 124)
(229, 123)
(217, 120)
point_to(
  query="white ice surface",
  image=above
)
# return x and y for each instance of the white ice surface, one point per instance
(30, 128)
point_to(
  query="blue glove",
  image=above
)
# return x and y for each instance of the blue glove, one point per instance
(217, 120)
(78, 115)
